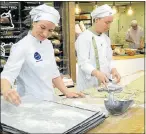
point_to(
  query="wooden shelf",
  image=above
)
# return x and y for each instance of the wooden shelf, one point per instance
(83, 13)
(81, 19)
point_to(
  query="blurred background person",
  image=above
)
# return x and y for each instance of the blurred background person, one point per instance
(135, 35)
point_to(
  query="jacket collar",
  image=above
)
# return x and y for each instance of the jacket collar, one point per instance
(32, 37)
(92, 29)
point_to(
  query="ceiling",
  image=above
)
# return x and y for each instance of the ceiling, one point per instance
(117, 3)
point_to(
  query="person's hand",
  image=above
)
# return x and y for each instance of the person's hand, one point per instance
(70, 94)
(141, 45)
(102, 77)
(142, 42)
(116, 75)
(12, 96)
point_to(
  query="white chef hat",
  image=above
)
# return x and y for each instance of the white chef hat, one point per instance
(102, 11)
(44, 12)
(133, 22)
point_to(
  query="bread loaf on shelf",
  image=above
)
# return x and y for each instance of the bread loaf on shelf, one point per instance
(4, 20)
(57, 59)
(56, 51)
(56, 42)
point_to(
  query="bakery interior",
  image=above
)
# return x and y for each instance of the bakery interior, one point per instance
(75, 19)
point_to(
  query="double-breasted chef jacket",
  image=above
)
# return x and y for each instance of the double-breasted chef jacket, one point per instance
(32, 64)
(87, 59)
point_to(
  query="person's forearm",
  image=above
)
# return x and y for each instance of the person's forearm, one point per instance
(5, 85)
(58, 82)
(141, 42)
(94, 73)
(113, 69)
(86, 68)
(129, 41)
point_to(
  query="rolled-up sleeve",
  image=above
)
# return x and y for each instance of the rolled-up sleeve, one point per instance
(14, 63)
(83, 47)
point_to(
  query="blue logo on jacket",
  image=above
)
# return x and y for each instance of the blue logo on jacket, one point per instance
(37, 56)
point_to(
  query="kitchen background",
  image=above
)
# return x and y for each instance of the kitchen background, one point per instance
(122, 19)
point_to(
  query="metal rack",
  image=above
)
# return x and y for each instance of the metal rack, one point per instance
(11, 25)
(87, 21)
(22, 23)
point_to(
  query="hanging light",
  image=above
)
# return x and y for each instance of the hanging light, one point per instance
(130, 11)
(114, 8)
(77, 8)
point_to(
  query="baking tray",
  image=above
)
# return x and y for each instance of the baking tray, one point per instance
(47, 117)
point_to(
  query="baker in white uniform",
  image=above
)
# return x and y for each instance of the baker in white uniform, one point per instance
(32, 63)
(94, 51)
(135, 35)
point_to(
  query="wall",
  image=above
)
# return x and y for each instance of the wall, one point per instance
(86, 7)
(121, 21)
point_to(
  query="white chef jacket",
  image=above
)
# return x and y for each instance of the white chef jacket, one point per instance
(87, 61)
(135, 35)
(32, 62)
